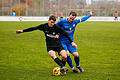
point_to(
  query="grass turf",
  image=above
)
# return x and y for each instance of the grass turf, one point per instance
(24, 56)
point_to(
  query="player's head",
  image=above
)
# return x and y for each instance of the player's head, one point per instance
(51, 21)
(72, 16)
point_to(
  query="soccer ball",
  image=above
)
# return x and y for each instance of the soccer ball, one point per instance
(56, 71)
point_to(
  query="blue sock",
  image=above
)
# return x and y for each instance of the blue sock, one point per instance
(77, 60)
(69, 61)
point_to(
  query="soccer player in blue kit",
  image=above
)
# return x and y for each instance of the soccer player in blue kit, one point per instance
(69, 24)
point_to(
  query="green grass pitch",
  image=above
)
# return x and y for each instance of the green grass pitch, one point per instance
(24, 56)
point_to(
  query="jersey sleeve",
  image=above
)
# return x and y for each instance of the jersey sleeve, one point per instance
(59, 23)
(83, 18)
(61, 31)
(40, 27)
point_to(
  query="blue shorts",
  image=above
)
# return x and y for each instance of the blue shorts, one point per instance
(68, 46)
(61, 17)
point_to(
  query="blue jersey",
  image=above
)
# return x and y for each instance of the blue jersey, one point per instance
(70, 27)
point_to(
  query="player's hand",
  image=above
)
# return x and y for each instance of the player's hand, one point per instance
(74, 45)
(19, 31)
(91, 12)
(56, 36)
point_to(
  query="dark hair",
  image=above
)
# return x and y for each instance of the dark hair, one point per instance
(52, 17)
(73, 13)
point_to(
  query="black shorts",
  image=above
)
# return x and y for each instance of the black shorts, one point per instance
(58, 48)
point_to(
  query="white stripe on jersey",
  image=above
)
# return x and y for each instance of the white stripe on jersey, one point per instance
(80, 20)
(49, 35)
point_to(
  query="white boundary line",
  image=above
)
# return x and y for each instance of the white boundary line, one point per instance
(22, 18)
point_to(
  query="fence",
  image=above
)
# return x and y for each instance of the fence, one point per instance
(47, 7)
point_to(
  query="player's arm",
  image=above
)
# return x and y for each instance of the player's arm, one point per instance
(40, 27)
(59, 23)
(61, 31)
(85, 18)
(56, 36)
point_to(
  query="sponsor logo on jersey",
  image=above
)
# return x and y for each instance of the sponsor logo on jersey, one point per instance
(47, 31)
(66, 26)
(53, 32)
(49, 35)
(69, 32)
(73, 25)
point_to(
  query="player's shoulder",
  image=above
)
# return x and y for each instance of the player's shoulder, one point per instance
(64, 20)
(77, 20)
(56, 26)
(45, 25)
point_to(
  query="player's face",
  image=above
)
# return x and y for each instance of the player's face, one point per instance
(71, 18)
(51, 23)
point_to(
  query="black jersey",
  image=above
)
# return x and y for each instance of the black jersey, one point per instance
(50, 32)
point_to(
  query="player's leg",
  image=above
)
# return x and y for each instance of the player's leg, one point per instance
(51, 50)
(77, 61)
(72, 49)
(63, 54)
(65, 48)
(64, 58)
(76, 58)
(61, 51)
(74, 52)
(55, 58)
(116, 18)
(69, 61)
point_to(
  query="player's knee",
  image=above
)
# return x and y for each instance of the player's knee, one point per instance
(52, 54)
(64, 58)
(63, 54)
(53, 57)
(75, 54)
(68, 54)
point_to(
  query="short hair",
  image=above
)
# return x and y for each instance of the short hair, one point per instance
(73, 13)
(52, 17)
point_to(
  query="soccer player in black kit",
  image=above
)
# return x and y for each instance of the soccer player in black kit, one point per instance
(51, 30)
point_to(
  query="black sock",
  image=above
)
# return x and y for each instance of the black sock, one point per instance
(64, 62)
(58, 61)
